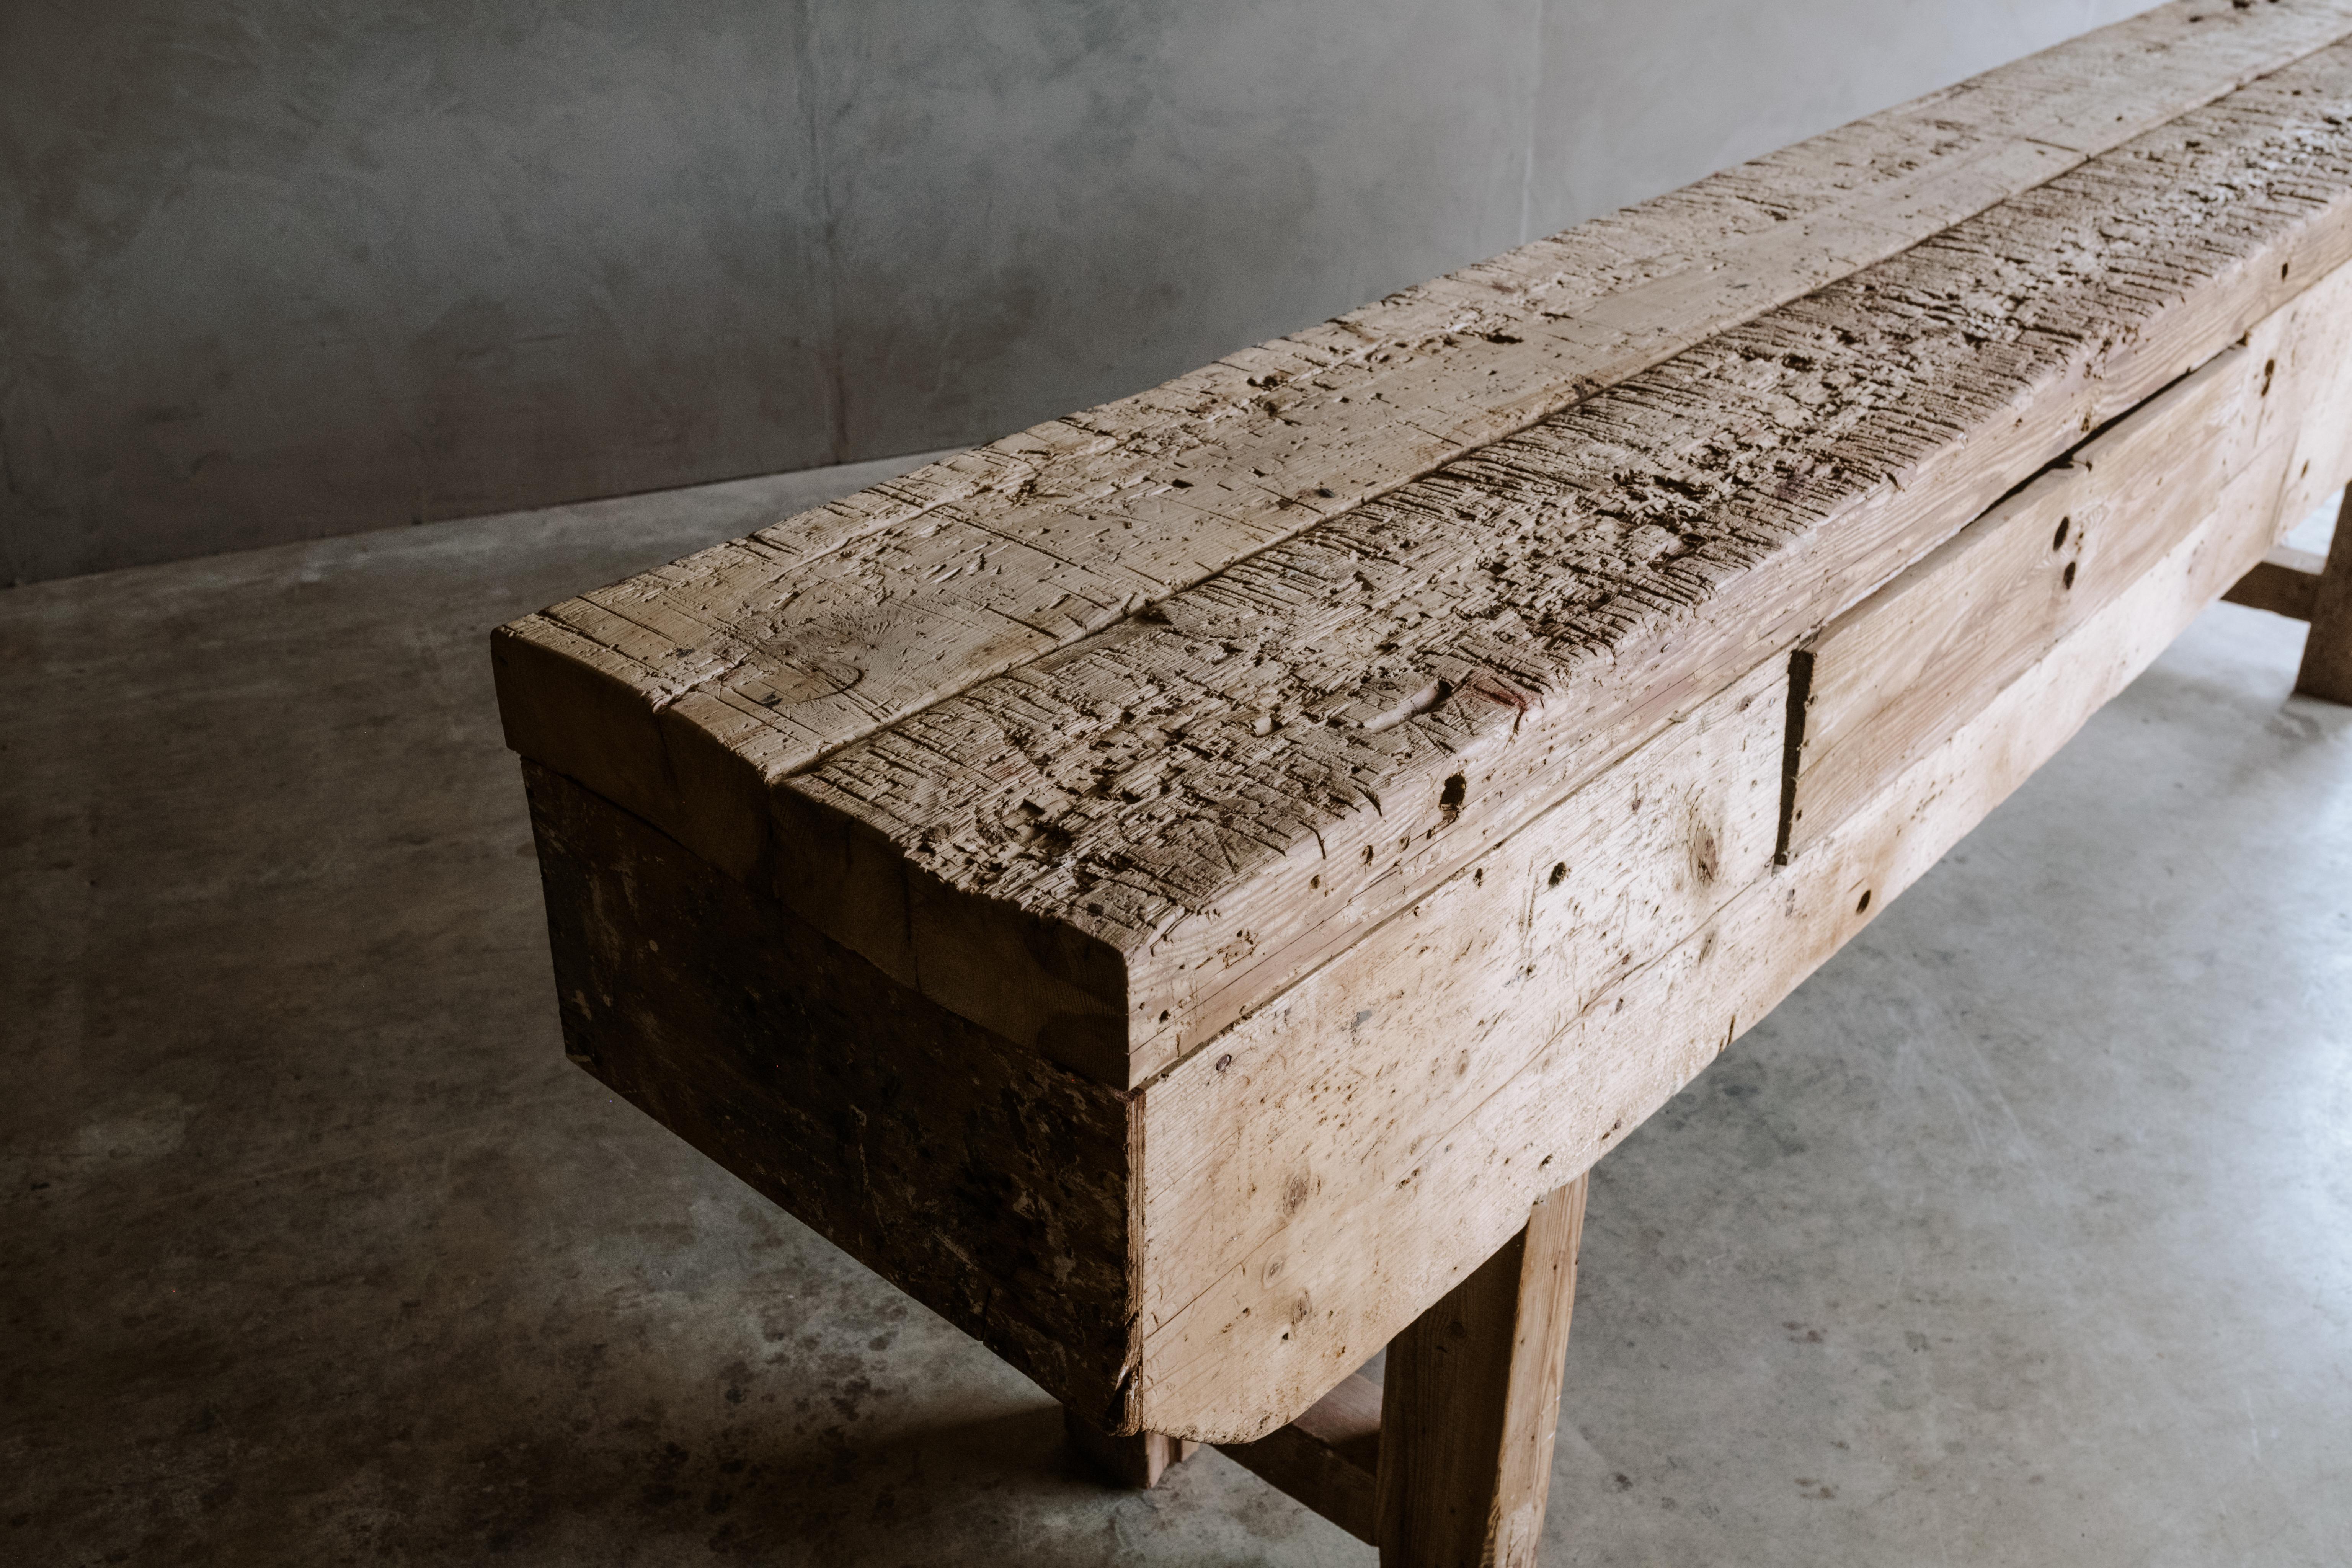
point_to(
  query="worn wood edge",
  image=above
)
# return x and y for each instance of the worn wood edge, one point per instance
(1416, 1230)
(1328, 1458)
(2178, 336)
(2014, 100)
(2285, 582)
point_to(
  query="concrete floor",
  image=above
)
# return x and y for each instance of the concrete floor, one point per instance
(2023, 1234)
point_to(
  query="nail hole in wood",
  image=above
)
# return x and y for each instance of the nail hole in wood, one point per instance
(2069, 573)
(2058, 540)
(1559, 874)
(1863, 907)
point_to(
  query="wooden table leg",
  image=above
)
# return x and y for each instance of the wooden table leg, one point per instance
(2326, 669)
(1137, 1461)
(1471, 1404)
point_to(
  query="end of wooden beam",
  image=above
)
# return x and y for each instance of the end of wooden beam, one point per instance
(2284, 582)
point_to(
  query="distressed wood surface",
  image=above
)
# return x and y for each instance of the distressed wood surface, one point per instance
(1201, 804)
(1443, 1001)
(1425, 1189)
(1470, 1408)
(1187, 988)
(1328, 1458)
(683, 693)
(1890, 678)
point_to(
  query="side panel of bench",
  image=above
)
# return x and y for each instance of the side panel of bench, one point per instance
(1895, 676)
(987, 1183)
(1348, 1174)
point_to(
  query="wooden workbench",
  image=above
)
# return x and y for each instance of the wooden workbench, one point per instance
(1188, 891)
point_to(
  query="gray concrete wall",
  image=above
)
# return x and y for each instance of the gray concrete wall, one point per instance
(272, 269)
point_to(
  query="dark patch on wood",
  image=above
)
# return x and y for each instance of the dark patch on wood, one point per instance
(988, 1183)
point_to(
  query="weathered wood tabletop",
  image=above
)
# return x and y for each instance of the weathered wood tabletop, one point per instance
(1186, 891)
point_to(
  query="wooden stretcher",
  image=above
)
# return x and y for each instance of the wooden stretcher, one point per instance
(1187, 891)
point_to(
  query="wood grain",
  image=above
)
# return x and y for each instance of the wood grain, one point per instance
(1211, 800)
(1182, 987)
(1471, 1405)
(684, 694)
(1433, 1193)
(1890, 678)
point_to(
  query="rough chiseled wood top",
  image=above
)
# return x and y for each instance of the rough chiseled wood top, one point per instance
(1104, 734)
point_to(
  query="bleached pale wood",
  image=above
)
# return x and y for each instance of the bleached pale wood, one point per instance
(1441, 1183)
(2284, 582)
(1892, 678)
(1470, 1408)
(1446, 998)
(1445, 949)
(2327, 669)
(1328, 1458)
(1120, 850)
(685, 694)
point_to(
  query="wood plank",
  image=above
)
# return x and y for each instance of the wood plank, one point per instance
(2285, 582)
(1471, 1405)
(991, 1186)
(1190, 811)
(1373, 1236)
(1328, 1458)
(2326, 669)
(1514, 949)
(1890, 678)
(683, 693)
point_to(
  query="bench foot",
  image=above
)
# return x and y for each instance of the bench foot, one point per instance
(1137, 1462)
(2326, 669)
(1471, 1404)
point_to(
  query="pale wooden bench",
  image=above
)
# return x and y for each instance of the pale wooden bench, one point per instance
(1186, 891)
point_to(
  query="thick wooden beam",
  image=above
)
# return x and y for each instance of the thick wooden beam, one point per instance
(2285, 582)
(1251, 588)
(1349, 1182)
(2326, 669)
(1133, 842)
(1078, 517)
(1471, 1405)
(1328, 1458)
